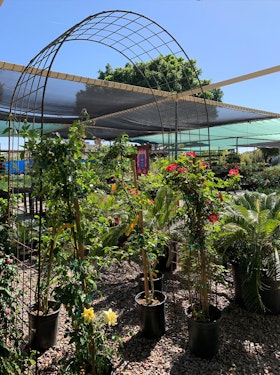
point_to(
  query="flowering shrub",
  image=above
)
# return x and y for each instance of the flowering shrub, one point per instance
(201, 193)
(90, 334)
(202, 197)
(88, 330)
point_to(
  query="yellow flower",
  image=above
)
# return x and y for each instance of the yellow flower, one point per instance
(113, 188)
(110, 317)
(88, 315)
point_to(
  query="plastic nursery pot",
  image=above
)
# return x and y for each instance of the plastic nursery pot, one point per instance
(151, 316)
(43, 328)
(270, 294)
(168, 261)
(204, 336)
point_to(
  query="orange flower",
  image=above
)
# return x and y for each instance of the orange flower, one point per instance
(113, 188)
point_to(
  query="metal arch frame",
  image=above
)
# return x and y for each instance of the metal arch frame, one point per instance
(115, 29)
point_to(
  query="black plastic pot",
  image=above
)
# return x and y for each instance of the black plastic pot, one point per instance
(168, 261)
(204, 336)
(151, 316)
(270, 294)
(43, 328)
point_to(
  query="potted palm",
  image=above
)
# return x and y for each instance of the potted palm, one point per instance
(250, 241)
(202, 197)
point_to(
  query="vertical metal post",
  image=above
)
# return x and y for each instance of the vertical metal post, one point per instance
(176, 129)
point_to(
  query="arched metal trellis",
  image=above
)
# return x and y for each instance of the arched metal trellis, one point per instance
(138, 39)
(135, 37)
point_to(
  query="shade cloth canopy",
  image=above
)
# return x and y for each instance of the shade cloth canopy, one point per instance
(145, 115)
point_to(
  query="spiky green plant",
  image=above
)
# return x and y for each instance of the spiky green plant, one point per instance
(250, 236)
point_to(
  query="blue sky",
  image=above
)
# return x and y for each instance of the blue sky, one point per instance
(228, 38)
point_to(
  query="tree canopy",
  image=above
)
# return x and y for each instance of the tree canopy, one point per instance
(167, 73)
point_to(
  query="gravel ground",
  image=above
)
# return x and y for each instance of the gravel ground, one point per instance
(249, 343)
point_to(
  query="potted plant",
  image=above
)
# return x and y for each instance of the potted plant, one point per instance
(160, 214)
(43, 314)
(202, 196)
(249, 239)
(150, 302)
(57, 177)
(141, 240)
(70, 224)
(89, 330)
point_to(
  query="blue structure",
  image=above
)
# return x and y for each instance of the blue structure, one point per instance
(16, 166)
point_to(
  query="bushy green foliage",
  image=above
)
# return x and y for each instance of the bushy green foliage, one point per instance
(266, 180)
(168, 73)
(250, 236)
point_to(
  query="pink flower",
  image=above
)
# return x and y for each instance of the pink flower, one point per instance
(7, 311)
(9, 261)
(233, 172)
(204, 165)
(171, 167)
(213, 218)
(151, 201)
(133, 192)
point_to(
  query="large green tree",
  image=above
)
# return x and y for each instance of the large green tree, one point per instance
(168, 73)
